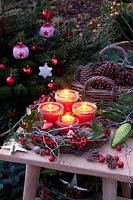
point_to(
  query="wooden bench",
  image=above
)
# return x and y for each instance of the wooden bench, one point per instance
(76, 164)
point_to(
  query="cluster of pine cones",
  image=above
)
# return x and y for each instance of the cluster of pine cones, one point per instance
(113, 71)
(100, 72)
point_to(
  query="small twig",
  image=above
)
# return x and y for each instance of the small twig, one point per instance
(14, 126)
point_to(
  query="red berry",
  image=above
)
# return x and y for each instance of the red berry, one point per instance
(42, 152)
(51, 158)
(116, 158)
(101, 158)
(47, 151)
(118, 148)
(120, 164)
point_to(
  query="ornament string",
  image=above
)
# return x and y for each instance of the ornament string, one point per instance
(127, 152)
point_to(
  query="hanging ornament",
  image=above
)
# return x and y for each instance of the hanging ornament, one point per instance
(20, 51)
(47, 31)
(2, 66)
(45, 71)
(51, 85)
(47, 15)
(33, 47)
(27, 70)
(69, 34)
(10, 80)
(54, 61)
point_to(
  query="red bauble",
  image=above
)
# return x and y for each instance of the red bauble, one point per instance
(51, 86)
(2, 66)
(27, 70)
(120, 164)
(118, 148)
(54, 61)
(69, 34)
(33, 47)
(47, 15)
(51, 158)
(10, 80)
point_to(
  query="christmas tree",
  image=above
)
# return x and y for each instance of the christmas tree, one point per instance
(40, 42)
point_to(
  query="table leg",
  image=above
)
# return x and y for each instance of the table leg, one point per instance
(31, 182)
(126, 190)
(109, 189)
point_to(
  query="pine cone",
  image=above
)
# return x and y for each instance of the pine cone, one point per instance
(112, 164)
(92, 155)
(125, 78)
(110, 161)
(108, 69)
(101, 82)
(109, 158)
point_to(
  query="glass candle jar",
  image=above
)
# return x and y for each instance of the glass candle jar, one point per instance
(50, 111)
(67, 122)
(84, 111)
(66, 97)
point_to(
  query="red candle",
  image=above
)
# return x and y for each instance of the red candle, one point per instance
(66, 98)
(68, 119)
(84, 111)
(67, 122)
(50, 111)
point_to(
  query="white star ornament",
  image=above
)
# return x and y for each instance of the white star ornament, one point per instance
(45, 71)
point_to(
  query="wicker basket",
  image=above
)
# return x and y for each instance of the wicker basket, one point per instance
(85, 85)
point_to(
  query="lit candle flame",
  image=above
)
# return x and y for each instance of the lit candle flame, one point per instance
(68, 119)
(50, 107)
(85, 107)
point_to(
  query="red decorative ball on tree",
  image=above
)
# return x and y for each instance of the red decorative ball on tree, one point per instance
(33, 47)
(10, 80)
(54, 61)
(69, 34)
(27, 70)
(2, 66)
(51, 86)
(47, 15)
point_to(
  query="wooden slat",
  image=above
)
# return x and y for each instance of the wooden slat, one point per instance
(109, 187)
(122, 198)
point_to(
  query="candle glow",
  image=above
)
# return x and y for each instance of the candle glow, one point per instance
(66, 97)
(50, 111)
(68, 119)
(84, 111)
(50, 107)
(85, 107)
(66, 94)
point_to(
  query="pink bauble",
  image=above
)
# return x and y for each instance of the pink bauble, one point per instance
(47, 31)
(20, 51)
(10, 80)
(2, 66)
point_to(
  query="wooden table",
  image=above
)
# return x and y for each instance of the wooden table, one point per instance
(74, 164)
